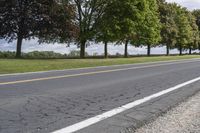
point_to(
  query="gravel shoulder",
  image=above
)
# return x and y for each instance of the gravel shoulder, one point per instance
(185, 118)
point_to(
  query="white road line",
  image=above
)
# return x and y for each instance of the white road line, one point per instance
(85, 68)
(98, 118)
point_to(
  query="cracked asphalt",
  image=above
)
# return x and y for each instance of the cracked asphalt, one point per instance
(49, 105)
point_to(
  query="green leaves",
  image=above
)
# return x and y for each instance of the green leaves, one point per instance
(179, 29)
(47, 20)
(150, 28)
(169, 30)
(184, 29)
(121, 19)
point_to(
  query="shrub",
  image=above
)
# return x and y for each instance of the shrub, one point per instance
(41, 55)
(7, 54)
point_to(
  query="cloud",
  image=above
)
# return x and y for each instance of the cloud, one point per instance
(33, 45)
(190, 4)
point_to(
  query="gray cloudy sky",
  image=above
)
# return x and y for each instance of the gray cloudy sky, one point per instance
(190, 4)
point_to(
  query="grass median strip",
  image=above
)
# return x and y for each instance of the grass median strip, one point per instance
(27, 65)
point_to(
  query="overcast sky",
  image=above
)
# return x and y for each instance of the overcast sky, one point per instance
(190, 4)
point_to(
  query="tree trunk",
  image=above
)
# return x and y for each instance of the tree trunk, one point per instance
(190, 51)
(126, 49)
(199, 48)
(167, 50)
(148, 50)
(181, 50)
(82, 51)
(106, 50)
(19, 47)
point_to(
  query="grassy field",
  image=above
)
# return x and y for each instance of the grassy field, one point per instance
(25, 65)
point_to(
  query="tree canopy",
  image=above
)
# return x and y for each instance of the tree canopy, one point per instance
(169, 30)
(150, 30)
(87, 14)
(26, 19)
(121, 21)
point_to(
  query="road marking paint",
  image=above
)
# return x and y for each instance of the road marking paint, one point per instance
(113, 112)
(88, 73)
(145, 63)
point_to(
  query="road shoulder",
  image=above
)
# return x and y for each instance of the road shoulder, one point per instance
(185, 118)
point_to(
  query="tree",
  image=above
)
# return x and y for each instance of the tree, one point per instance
(194, 38)
(169, 31)
(104, 34)
(196, 13)
(104, 30)
(26, 19)
(88, 13)
(150, 31)
(184, 29)
(121, 20)
(131, 17)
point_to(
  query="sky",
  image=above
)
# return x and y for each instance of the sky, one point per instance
(92, 49)
(190, 4)
(33, 45)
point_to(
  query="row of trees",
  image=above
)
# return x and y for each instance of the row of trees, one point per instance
(136, 22)
(179, 27)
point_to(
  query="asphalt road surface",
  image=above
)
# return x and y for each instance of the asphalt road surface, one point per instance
(49, 101)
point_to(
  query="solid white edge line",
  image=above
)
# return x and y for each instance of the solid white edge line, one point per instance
(85, 68)
(98, 118)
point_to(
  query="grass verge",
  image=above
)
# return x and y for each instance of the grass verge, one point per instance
(25, 65)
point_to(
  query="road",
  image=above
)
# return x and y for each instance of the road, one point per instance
(49, 101)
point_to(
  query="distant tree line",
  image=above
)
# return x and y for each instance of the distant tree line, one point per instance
(137, 22)
(42, 55)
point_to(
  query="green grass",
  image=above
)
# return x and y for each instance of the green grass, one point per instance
(25, 65)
